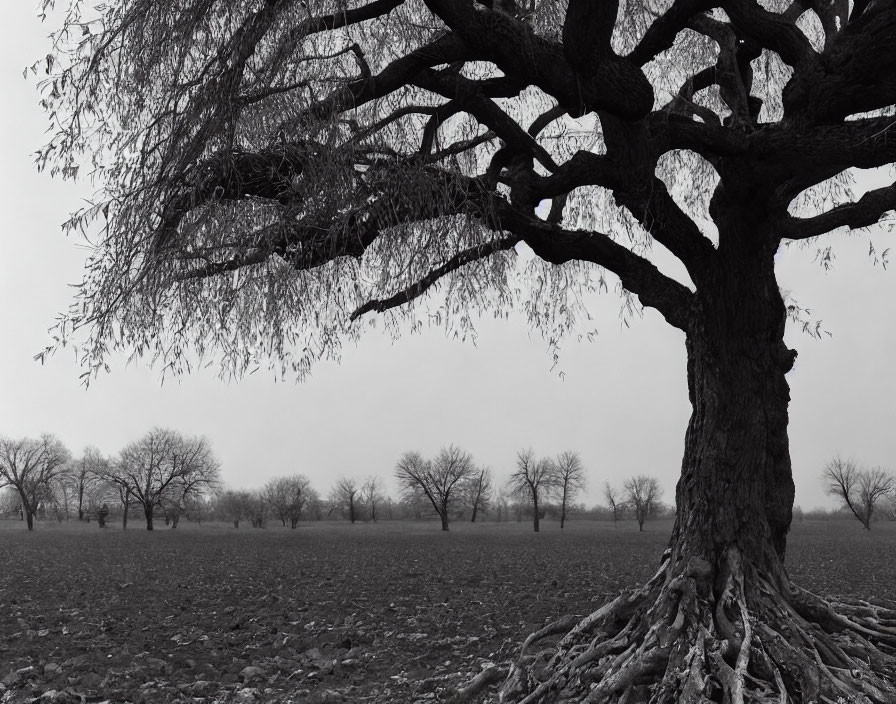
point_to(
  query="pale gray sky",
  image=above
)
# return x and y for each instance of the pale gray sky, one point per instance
(622, 402)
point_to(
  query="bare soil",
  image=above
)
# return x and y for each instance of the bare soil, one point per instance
(391, 612)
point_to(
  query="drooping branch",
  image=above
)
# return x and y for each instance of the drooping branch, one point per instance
(558, 245)
(867, 211)
(399, 73)
(417, 289)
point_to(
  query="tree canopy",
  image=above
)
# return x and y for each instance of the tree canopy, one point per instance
(269, 172)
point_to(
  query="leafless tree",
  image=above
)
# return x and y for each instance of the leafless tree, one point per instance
(288, 497)
(570, 478)
(345, 497)
(642, 494)
(439, 479)
(614, 500)
(163, 466)
(533, 481)
(273, 171)
(32, 466)
(235, 506)
(372, 495)
(87, 471)
(477, 491)
(860, 489)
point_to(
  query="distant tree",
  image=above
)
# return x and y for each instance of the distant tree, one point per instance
(288, 497)
(234, 506)
(162, 468)
(861, 490)
(439, 479)
(570, 480)
(257, 510)
(10, 503)
(477, 491)
(345, 497)
(413, 503)
(533, 481)
(372, 496)
(642, 494)
(87, 472)
(32, 467)
(614, 501)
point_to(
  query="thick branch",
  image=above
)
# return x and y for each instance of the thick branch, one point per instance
(557, 246)
(378, 8)
(867, 211)
(616, 86)
(487, 112)
(661, 34)
(773, 31)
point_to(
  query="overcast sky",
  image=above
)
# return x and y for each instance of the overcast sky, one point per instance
(621, 401)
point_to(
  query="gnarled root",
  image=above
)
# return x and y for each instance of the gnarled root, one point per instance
(694, 634)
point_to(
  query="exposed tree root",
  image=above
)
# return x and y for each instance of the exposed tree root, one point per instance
(694, 634)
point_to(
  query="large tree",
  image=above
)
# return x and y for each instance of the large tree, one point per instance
(273, 171)
(33, 467)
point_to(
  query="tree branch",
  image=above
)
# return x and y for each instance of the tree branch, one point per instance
(773, 31)
(616, 86)
(867, 211)
(420, 287)
(661, 34)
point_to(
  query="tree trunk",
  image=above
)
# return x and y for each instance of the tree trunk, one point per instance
(29, 518)
(563, 508)
(720, 621)
(147, 510)
(475, 507)
(124, 516)
(443, 514)
(535, 516)
(236, 523)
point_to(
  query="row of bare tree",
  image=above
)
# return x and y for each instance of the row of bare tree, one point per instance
(162, 470)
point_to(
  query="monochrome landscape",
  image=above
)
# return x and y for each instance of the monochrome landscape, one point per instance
(309, 250)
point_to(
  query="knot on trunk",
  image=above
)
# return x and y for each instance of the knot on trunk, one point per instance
(786, 357)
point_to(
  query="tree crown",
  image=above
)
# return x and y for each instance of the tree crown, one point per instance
(269, 172)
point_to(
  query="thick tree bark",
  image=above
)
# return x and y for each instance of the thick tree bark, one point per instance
(443, 514)
(124, 516)
(720, 620)
(29, 519)
(535, 525)
(148, 510)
